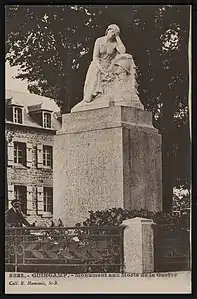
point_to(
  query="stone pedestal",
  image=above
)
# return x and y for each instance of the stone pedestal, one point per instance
(104, 158)
(138, 245)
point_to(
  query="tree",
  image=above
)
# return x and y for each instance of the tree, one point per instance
(167, 94)
(53, 46)
(159, 39)
(48, 42)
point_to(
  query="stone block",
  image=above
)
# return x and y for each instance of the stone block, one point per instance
(138, 245)
(105, 158)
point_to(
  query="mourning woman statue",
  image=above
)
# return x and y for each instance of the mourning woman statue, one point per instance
(103, 74)
(106, 48)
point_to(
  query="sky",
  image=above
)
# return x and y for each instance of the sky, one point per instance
(10, 82)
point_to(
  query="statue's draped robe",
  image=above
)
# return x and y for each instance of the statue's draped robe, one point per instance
(95, 80)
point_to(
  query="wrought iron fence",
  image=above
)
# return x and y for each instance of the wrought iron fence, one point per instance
(64, 249)
(171, 248)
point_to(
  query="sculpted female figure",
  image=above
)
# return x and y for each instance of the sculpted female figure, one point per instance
(111, 77)
(106, 48)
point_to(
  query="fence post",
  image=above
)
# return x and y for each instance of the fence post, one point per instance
(138, 245)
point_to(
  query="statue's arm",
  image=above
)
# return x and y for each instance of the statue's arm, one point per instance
(120, 46)
(96, 52)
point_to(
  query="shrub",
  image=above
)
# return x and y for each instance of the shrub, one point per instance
(115, 216)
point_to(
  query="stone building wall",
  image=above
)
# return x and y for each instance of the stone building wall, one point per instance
(33, 176)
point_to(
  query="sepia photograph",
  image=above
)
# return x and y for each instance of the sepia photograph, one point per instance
(97, 149)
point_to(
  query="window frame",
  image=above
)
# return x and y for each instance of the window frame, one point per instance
(17, 115)
(48, 200)
(47, 152)
(19, 149)
(47, 120)
(21, 197)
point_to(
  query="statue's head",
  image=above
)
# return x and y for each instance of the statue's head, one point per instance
(112, 29)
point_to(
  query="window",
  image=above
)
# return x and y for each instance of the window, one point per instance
(47, 120)
(17, 115)
(48, 199)
(20, 193)
(19, 153)
(47, 156)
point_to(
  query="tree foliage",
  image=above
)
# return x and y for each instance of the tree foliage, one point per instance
(49, 44)
(53, 46)
(181, 199)
(164, 74)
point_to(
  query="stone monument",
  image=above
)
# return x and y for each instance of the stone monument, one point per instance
(107, 154)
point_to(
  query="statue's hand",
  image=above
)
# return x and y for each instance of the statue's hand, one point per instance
(108, 76)
(105, 73)
(110, 69)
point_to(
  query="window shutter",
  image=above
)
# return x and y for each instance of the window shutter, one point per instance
(42, 119)
(40, 200)
(39, 156)
(29, 199)
(10, 150)
(29, 154)
(10, 195)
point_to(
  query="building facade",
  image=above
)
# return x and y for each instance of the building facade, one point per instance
(30, 127)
